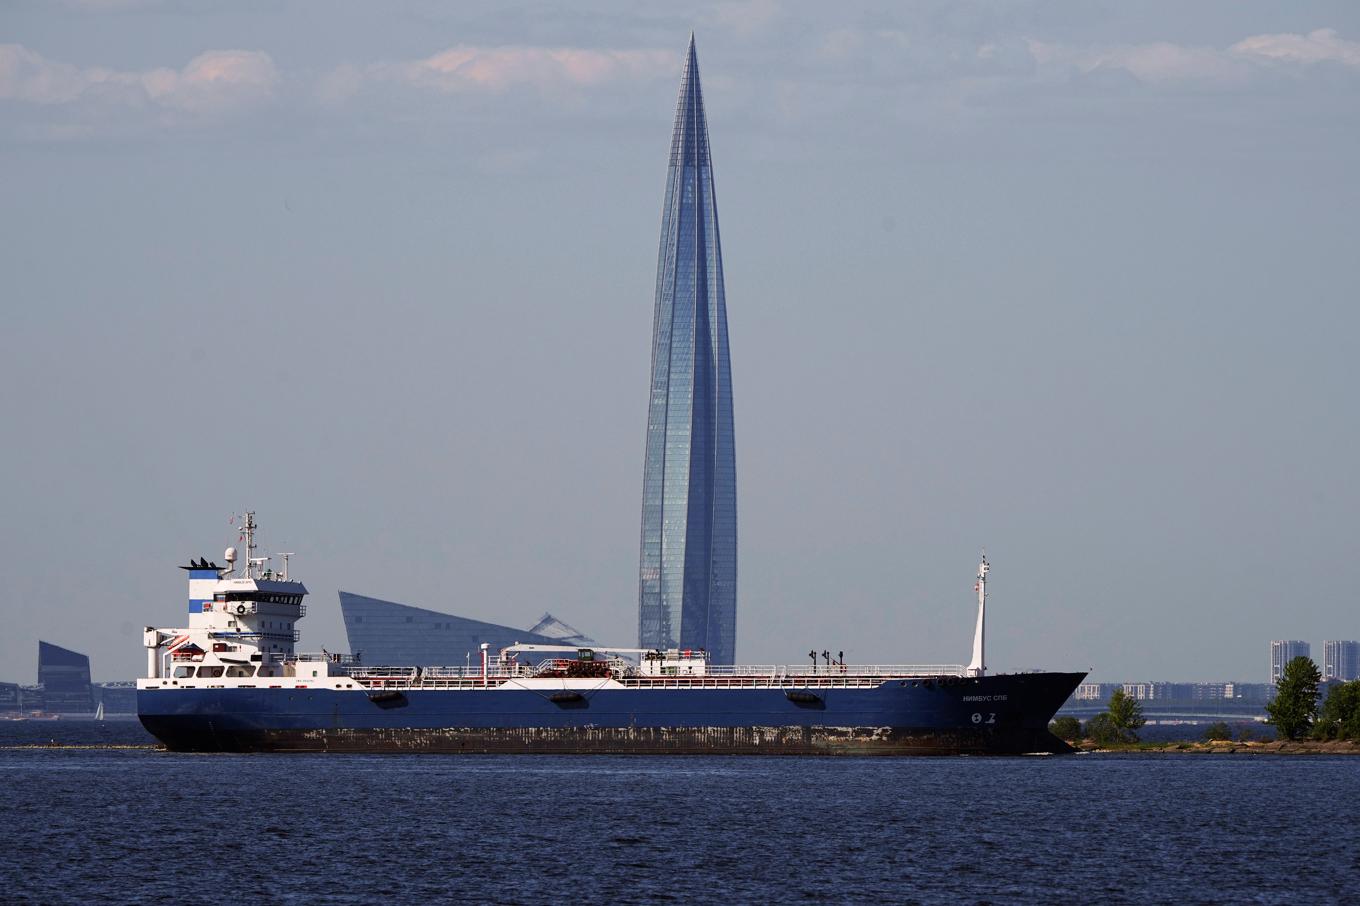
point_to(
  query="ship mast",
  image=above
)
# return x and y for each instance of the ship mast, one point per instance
(249, 531)
(978, 666)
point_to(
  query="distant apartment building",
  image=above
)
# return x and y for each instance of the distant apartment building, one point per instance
(1340, 660)
(1101, 692)
(1146, 692)
(17, 697)
(1186, 692)
(1214, 692)
(1175, 693)
(1091, 693)
(1282, 652)
(117, 698)
(1094, 692)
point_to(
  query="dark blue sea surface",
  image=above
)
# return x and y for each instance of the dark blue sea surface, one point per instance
(138, 825)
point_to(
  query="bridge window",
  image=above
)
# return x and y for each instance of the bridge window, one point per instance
(209, 670)
(258, 597)
(183, 672)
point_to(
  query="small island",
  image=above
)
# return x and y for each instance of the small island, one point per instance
(1304, 721)
(1227, 747)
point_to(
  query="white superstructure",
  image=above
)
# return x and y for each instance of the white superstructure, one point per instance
(242, 630)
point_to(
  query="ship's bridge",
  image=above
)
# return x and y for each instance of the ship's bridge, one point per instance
(245, 616)
(242, 596)
(252, 614)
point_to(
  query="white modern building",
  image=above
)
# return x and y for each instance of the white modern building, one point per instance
(1340, 660)
(1282, 652)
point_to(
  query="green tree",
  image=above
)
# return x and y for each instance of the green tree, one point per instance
(1295, 704)
(1126, 715)
(1068, 728)
(1218, 730)
(1340, 714)
(1101, 730)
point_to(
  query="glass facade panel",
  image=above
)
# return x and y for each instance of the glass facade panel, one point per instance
(65, 677)
(687, 579)
(389, 633)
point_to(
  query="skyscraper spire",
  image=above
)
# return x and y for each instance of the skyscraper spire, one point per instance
(687, 583)
(691, 127)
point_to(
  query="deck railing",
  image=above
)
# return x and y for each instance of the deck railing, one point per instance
(445, 673)
(776, 671)
(779, 676)
(327, 656)
(742, 671)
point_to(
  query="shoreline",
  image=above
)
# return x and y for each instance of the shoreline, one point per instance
(1227, 747)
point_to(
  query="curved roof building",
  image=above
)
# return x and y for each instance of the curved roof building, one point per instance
(386, 632)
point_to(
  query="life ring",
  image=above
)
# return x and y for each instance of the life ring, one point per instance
(240, 609)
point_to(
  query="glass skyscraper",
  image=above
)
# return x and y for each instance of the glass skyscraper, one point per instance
(687, 583)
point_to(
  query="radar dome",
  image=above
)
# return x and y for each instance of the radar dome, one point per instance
(230, 555)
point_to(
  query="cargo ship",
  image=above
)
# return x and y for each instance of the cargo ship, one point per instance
(234, 681)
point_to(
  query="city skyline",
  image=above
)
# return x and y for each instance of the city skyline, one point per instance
(687, 572)
(1069, 282)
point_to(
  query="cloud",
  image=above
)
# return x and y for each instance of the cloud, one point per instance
(213, 83)
(746, 17)
(915, 57)
(1320, 46)
(1155, 63)
(1166, 63)
(841, 44)
(30, 77)
(103, 5)
(339, 85)
(467, 68)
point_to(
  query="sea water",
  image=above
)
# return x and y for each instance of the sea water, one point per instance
(139, 825)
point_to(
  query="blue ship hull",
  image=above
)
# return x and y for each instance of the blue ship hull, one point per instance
(1004, 714)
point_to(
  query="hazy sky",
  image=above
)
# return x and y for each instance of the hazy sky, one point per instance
(1072, 281)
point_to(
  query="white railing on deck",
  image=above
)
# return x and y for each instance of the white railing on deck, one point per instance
(332, 658)
(775, 676)
(778, 671)
(445, 673)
